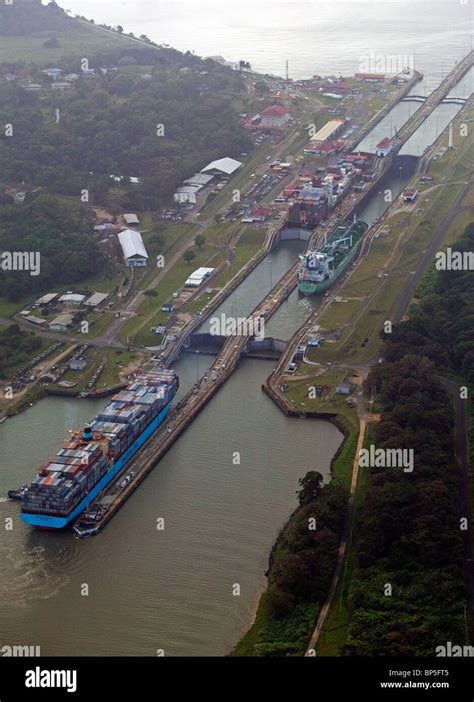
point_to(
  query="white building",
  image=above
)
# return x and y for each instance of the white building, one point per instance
(133, 248)
(329, 130)
(223, 166)
(274, 117)
(72, 299)
(198, 277)
(131, 219)
(52, 72)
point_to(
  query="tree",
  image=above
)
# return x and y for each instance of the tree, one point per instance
(150, 294)
(310, 487)
(200, 240)
(261, 86)
(120, 29)
(52, 43)
(188, 256)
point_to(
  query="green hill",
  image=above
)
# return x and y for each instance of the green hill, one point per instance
(27, 25)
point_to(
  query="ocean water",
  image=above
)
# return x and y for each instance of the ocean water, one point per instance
(326, 37)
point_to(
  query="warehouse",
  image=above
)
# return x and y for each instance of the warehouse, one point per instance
(187, 193)
(72, 299)
(45, 299)
(329, 130)
(61, 323)
(96, 299)
(133, 248)
(198, 277)
(223, 166)
(199, 179)
(131, 219)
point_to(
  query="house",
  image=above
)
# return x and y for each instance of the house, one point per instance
(61, 323)
(72, 299)
(9, 77)
(342, 85)
(52, 72)
(71, 77)
(61, 85)
(343, 389)
(259, 214)
(131, 219)
(77, 364)
(223, 166)
(274, 117)
(133, 248)
(32, 87)
(384, 147)
(19, 191)
(410, 195)
(96, 299)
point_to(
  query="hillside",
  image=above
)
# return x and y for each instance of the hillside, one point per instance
(26, 25)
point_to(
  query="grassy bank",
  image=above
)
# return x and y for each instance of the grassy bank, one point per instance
(289, 635)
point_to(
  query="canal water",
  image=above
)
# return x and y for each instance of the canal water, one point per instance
(224, 491)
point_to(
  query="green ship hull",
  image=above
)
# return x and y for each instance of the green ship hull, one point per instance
(306, 287)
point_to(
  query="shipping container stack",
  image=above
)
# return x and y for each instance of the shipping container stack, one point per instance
(70, 475)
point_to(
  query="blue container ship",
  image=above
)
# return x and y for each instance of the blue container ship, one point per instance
(90, 459)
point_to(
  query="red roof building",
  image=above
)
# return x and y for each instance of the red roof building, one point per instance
(274, 117)
(384, 147)
(371, 77)
(342, 85)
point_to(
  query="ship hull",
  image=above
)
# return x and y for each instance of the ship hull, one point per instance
(308, 288)
(48, 521)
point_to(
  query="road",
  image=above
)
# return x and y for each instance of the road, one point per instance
(346, 532)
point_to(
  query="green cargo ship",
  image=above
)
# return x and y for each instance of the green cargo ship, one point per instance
(322, 267)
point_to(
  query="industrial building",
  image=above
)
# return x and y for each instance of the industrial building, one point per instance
(62, 322)
(96, 299)
(186, 193)
(223, 166)
(329, 130)
(131, 219)
(199, 179)
(198, 277)
(72, 299)
(45, 299)
(133, 248)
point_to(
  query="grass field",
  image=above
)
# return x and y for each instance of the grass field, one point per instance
(115, 360)
(81, 40)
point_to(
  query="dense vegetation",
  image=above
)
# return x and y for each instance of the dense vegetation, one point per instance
(61, 232)
(441, 326)
(409, 525)
(301, 568)
(16, 347)
(160, 128)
